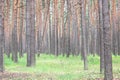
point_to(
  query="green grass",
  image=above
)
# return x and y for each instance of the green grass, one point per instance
(49, 67)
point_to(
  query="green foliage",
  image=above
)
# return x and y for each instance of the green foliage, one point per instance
(50, 67)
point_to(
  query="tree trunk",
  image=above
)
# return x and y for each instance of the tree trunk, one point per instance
(101, 47)
(14, 33)
(56, 25)
(83, 28)
(118, 27)
(30, 32)
(62, 26)
(68, 28)
(1, 35)
(6, 28)
(21, 29)
(107, 41)
(114, 28)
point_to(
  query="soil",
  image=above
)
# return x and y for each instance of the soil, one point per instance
(14, 76)
(28, 76)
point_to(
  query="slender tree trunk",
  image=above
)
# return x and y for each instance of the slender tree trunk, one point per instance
(30, 32)
(49, 28)
(14, 33)
(68, 28)
(6, 27)
(1, 35)
(118, 27)
(21, 29)
(101, 47)
(114, 30)
(56, 25)
(62, 26)
(53, 30)
(107, 41)
(83, 35)
(39, 24)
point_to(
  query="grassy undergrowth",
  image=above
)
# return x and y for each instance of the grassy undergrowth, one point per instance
(49, 67)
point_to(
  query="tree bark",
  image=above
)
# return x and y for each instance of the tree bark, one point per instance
(14, 33)
(107, 41)
(68, 28)
(118, 27)
(83, 28)
(1, 35)
(30, 32)
(101, 47)
(21, 29)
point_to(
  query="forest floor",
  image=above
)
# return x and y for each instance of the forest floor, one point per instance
(49, 67)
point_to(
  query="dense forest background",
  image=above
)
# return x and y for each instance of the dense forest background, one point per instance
(60, 27)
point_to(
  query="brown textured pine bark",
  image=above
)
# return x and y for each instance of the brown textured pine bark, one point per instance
(83, 27)
(14, 33)
(1, 34)
(101, 48)
(107, 41)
